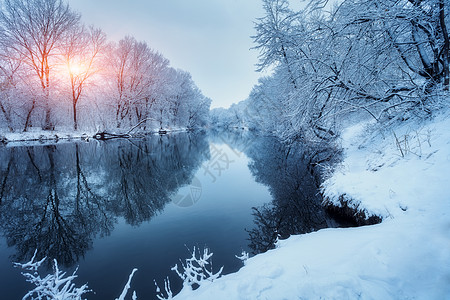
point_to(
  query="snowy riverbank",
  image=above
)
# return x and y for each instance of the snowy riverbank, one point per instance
(43, 137)
(401, 175)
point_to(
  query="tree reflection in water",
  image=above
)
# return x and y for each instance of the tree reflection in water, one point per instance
(58, 198)
(296, 205)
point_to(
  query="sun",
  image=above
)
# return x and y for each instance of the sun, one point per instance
(76, 69)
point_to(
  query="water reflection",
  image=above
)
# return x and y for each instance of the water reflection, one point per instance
(296, 205)
(58, 198)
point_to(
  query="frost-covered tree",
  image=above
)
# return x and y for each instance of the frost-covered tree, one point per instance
(34, 30)
(399, 45)
(9, 79)
(80, 54)
(198, 110)
(188, 106)
(273, 37)
(385, 59)
(49, 61)
(134, 71)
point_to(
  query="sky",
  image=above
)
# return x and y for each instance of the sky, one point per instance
(211, 39)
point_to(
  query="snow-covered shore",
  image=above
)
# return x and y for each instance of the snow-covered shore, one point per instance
(39, 136)
(401, 175)
(43, 137)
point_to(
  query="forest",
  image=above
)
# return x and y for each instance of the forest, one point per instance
(58, 73)
(337, 62)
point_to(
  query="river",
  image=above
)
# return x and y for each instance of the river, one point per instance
(109, 207)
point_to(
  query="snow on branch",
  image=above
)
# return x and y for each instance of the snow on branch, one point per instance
(127, 287)
(57, 286)
(244, 256)
(167, 289)
(197, 270)
(194, 272)
(52, 286)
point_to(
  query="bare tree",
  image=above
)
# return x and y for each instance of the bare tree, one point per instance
(80, 53)
(385, 58)
(415, 29)
(136, 72)
(273, 36)
(34, 29)
(8, 79)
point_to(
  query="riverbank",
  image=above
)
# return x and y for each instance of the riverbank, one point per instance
(38, 136)
(400, 175)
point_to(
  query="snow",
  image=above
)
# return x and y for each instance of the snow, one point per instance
(401, 175)
(45, 137)
(127, 287)
(41, 137)
(52, 286)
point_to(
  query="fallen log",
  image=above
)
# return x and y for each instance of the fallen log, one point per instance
(103, 136)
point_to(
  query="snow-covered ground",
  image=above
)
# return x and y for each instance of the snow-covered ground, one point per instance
(402, 175)
(37, 136)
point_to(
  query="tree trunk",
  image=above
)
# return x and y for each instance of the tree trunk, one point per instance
(7, 117)
(28, 119)
(75, 123)
(48, 125)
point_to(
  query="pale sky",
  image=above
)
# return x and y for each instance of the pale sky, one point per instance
(208, 38)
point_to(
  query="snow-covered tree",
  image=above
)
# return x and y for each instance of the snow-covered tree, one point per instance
(80, 55)
(138, 76)
(34, 29)
(146, 91)
(9, 79)
(47, 57)
(381, 58)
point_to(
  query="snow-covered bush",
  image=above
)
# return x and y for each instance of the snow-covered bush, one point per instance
(57, 286)
(52, 286)
(194, 272)
(197, 270)
(244, 257)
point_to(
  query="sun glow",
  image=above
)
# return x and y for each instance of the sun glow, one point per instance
(76, 69)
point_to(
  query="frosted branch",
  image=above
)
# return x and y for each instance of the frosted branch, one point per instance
(52, 286)
(127, 287)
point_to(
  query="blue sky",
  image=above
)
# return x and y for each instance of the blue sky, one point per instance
(208, 38)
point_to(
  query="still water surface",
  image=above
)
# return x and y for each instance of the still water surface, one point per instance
(108, 207)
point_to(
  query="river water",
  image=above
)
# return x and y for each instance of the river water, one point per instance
(109, 207)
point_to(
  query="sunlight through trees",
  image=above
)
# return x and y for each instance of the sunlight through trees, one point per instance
(57, 73)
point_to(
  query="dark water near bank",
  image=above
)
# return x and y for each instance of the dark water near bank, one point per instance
(108, 207)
